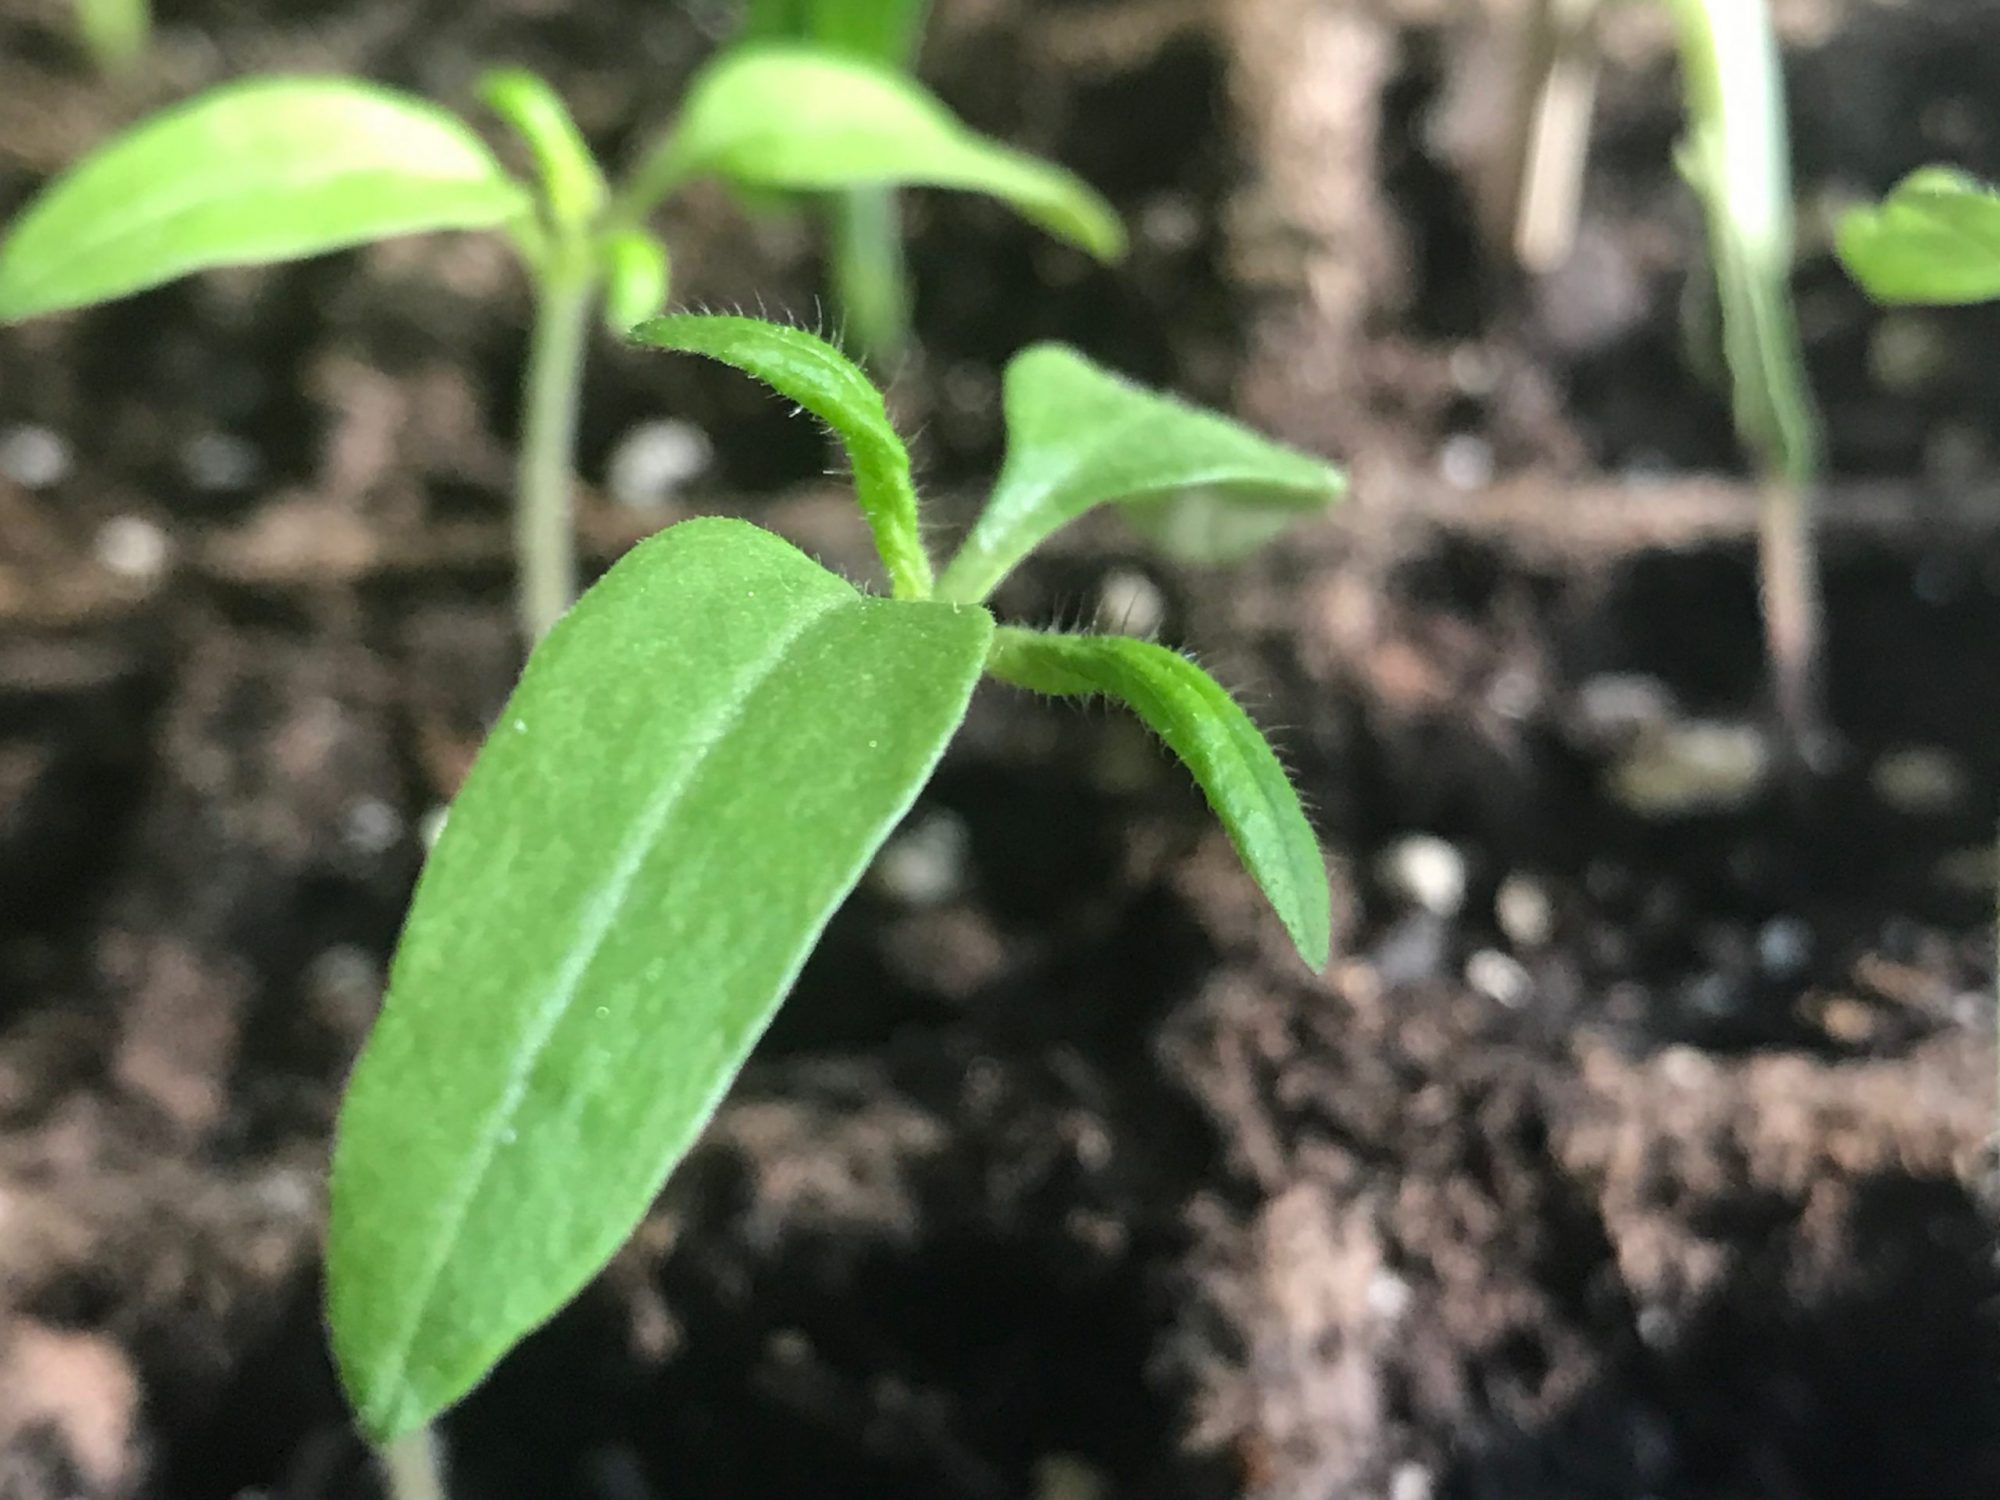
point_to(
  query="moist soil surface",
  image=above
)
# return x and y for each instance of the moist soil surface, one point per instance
(1635, 1143)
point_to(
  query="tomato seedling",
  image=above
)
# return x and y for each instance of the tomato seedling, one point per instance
(695, 769)
(1735, 154)
(277, 169)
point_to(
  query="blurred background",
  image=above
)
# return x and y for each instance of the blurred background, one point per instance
(1635, 1143)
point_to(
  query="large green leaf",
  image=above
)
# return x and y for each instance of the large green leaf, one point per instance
(270, 170)
(1935, 239)
(1214, 738)
(1079, 436)
(811, 372)
(802, 119)
(698, 764)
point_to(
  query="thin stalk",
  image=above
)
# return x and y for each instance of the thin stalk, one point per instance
(1787, 569)
(870, 278)
(545, 513)
(413, 1467)
(1738, 156)
(116, 33)
(1556, 95)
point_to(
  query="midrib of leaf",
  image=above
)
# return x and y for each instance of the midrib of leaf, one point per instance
(596, 922)
(140, 225)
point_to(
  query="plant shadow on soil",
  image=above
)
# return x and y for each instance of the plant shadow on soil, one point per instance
(1651, 1164)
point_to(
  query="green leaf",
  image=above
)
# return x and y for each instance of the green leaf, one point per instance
(811, 372)
(636, 274)
(1934, 239)
(802, 119)
(1214, 739)
(694, 771)
(1079, 436)
(271, 170)
(884, 30)
(572, 183)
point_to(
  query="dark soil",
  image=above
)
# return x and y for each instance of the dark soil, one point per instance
(1635, 1144)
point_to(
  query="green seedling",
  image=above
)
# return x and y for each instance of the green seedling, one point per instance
(1737, 156)
(115, 33)
(282, 168)
(698, 764)
(864, 224)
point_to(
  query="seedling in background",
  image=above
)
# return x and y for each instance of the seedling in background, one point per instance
(1736, 155)
(115, 33)
(279, 169)
(864, 224)
(696, 768)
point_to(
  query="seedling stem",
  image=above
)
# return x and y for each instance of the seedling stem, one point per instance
(565, 296)
(413, 1466)
(114, 32)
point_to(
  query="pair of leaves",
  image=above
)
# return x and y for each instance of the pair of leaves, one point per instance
(282, 168)
(1935, 239)
(696, 767)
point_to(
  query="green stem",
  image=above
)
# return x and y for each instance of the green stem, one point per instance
(114, 32)
(545, 520)
(413, 1467)
(870, 278)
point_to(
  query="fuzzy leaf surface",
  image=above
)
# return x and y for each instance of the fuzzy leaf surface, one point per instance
(1079, 436)
(696, 767)
(812, 373)
(1224, 751)
(1935, 239)
(271, 170)
(793, 118)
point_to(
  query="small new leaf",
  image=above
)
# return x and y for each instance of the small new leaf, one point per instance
(1214, 739)
(573, 184)
(698, 764)
(1935, 239)
(1079, 436)
(803, 119)
(636, 274)
(811, 372)
(272, 170)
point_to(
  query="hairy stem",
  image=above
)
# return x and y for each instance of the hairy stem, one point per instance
(870, 277)
(413, 1467)
(545, 521)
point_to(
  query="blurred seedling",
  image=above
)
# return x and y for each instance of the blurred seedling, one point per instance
(277, 169)
(1735, 153)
